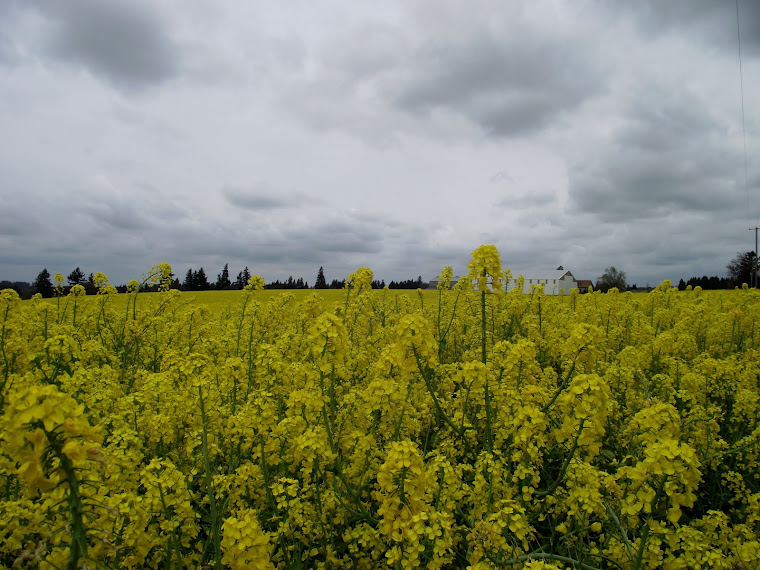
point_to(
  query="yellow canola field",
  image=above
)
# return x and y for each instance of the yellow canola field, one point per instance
(460, 428)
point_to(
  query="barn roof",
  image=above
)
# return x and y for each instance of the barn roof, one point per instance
(542, 274)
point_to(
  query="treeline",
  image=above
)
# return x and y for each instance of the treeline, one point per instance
(408, 284)
(706, 283)
(194, 280)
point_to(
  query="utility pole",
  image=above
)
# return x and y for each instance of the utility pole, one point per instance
(754, 277)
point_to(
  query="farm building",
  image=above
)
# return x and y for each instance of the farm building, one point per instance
(556, 282)
(433, 283)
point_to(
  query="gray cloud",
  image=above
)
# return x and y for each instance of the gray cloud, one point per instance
(16, 221)
(526, 200)
(125, 42)
(262, 197)
(11, 17)
(342, 235)
(509, 85)
(252, 201)
(672, 153)
(709, 22)
(449, 66)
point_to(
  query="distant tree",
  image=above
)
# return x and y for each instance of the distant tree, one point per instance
(23, 288)
(77, 277)
(611, 277)
(336, 284)
(187, 285)
(244, 277)
(223, 279)
(408, 284)
(713, 282)
(89, 287)
(200, 280)
(291, 283)
(321, 282)
(681, 285)
(43, 285)
(741, 268)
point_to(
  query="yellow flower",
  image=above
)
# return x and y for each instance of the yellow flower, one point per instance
(244, 544)
(100, 279)
(255, 283)
(485, 264)
(9, 296)
(77, 291)
(444, 279)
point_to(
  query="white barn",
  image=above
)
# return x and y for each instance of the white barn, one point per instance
(555, 282)
(433, 283)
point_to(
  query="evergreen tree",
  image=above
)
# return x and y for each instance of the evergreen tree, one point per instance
(188, 283)
(89, 287)
(242, 278)
(43, 285)
(321, 282)
(77, 277)
(201, 281)
(223, 279)
(408, 284)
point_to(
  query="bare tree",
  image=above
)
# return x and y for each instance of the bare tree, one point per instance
(611, 277)
(741, 268)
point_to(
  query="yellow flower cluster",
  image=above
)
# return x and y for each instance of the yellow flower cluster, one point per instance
(40, 421)
(255, 283)
(485, 264)
(245, 545)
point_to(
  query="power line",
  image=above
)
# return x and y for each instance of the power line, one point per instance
(744, 128)
(754, 276)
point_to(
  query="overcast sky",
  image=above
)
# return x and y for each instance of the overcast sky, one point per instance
(399, 135)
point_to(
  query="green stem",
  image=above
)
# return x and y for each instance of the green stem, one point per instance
(215, 522)
(483, 324)
(6, 365)
(645, 530)
(240, 325)
(438, 408)
(565, 465)
(78, 545)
